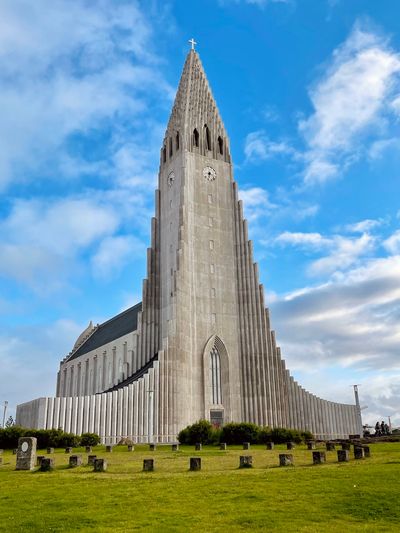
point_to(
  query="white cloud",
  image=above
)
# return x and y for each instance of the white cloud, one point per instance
(350, 100)
(343, 251)
(314, 240)
(350, 321)
(114, 253)
(257, 3)
(363, 226)
(380, 148)
(33, 354)
(40, 239)
(319, 170)
(259, 147)
(392, 243)
(61, 225)
(256, 202)
(68, 68)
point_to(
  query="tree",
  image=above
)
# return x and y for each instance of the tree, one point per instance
(10, 422)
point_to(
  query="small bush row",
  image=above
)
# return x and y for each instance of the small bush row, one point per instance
(53, 438)
(237, 433)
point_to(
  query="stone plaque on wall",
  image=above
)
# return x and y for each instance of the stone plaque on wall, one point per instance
(26, 453)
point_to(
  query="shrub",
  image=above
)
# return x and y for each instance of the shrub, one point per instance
(306, 435)
(280, 435)
(90, 439)
(201, 431)
(9, 436)
(54, 438)
(237, 433)
(265, 435)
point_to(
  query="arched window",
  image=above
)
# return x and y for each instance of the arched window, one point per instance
(220, 145)
(177, 140)
(170, 147)
(195, 137)
(207, 137)
(164, 154)
(215, 370)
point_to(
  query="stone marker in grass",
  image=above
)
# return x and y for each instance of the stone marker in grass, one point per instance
(152, 447)
(68, 449)
(367, 451)
(246, 461)
(318, 457)
(75, 460)
(359, 452)
(148, 465)
(343, 456)
(197, 446)
(109, 448)
(100, 465)
(330, 446)
(50, 450)
(222, 446)
(46, 464)
(88, 449)
(346, 446)
(39, 459)
(269, 446)
(310, 445)
(195, 464)
(91, 459)
(175, 447)
(286, 459)
(290, 446)
(130, 448)
(26, 454)
(246, 446)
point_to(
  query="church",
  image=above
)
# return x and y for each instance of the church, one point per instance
(200, 344)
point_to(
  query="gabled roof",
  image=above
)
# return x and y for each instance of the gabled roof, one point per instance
(125, 322)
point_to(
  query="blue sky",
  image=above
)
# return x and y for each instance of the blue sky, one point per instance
(309, 91)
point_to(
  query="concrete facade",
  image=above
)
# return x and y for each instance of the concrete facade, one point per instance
(202, 345)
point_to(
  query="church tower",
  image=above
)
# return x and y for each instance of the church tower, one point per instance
(198, 256)
(200, 343)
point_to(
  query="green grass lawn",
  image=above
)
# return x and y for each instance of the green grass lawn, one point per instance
(356, 496)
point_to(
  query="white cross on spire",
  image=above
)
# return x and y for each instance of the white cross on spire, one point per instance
(192, 42)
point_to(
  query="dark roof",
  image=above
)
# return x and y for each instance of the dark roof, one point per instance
(141, 372)
(125, 322)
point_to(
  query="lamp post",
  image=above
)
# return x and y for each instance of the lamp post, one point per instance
(4, 413)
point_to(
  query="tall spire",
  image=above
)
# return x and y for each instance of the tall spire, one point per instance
(195, 108)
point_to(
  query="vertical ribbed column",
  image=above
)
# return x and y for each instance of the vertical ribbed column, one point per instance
(61, 420)
(74, 415)
(130, 412)
(50, 413)
(91, 413)
(125, 411)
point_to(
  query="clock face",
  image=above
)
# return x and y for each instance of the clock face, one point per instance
(24, 446)
(209, 173)
(171, 179)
